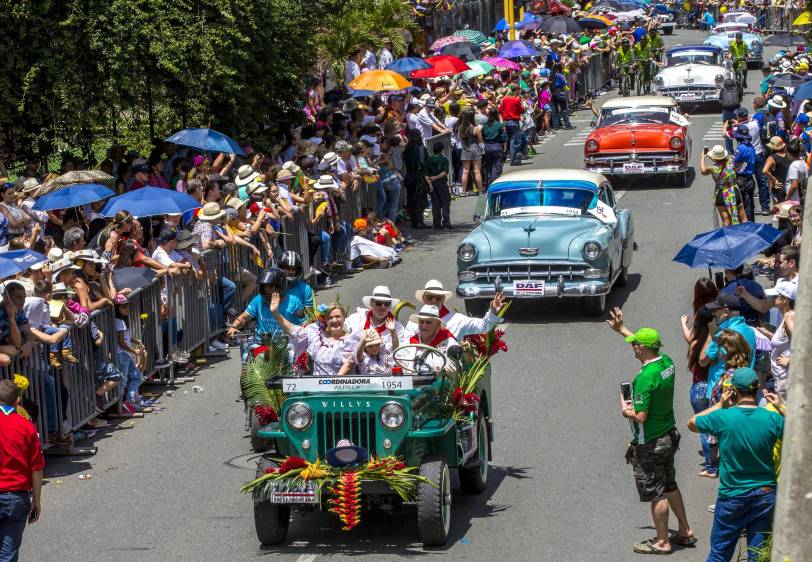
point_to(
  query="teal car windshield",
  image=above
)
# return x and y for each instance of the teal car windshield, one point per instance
(571, 201)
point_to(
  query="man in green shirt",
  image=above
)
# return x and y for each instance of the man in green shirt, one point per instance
(656, 439)
(747, 435)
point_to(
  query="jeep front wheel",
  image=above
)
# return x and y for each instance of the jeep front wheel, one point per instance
(474, 477)
(271, 520)
(434, 502)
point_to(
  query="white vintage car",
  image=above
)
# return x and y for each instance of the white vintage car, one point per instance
(693, 74)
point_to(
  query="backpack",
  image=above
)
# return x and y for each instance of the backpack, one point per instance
(730, 97)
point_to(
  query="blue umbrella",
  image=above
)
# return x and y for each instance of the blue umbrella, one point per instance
(206, 140)
(803, 92)
(12, 263)
(151, 201)
(727, 247)
(407, 65)
(72, 196)
(515, 49)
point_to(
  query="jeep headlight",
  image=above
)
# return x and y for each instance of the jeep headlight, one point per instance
(592, 250)
(466, 251)
(719, 79)
(392, 415)
(299, 416)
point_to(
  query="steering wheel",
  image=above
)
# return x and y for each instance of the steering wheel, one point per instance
(411, 356)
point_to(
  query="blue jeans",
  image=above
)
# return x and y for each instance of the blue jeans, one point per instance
(700, 402)
(14, 510)
(392, 190)
(126, 365)
(761, 184)
(514, 140)
(752, 511)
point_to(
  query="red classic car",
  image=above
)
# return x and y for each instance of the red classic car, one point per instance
(640, 136)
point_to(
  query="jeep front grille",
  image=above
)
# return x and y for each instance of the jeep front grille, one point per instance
(532, 271)
(358, 427)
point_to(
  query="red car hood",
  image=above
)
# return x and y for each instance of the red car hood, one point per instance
(637, 136)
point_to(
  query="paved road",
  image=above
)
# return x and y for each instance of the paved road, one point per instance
(559, 490)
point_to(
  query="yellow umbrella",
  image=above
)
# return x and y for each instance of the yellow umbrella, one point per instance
(380, 81)
(804, 19)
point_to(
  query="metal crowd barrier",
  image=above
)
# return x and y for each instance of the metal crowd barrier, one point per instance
(175, 313)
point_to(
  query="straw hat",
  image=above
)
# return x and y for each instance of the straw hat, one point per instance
(718, 153)
(245, 175)
(211, 212)
(379, 293)
(776, 143)
(433, 287)
(427, 312)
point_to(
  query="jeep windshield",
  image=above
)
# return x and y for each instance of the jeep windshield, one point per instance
(694, 57)
(540, 201)
(634, 115)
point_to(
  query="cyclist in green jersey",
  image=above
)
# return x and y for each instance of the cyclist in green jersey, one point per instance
(625, 61)
(644, 57)
(656, 43)
(738, 55)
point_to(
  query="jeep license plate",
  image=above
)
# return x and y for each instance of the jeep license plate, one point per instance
(528, 288)
(634, 168)
(687, 97)
(285, 492)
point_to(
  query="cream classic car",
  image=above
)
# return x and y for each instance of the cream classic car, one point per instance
(693, 74)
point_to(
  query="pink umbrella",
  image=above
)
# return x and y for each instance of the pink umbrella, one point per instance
(443, 41)
(502, 64)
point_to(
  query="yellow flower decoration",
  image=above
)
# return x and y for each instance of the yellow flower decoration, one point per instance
(314, 471)
(21, 382)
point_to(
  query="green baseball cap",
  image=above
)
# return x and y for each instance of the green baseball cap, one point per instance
(745, 378)
(648, 337)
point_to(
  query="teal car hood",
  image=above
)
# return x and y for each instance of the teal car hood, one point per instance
(552, 236)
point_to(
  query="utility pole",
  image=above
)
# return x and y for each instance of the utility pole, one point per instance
(792, 539)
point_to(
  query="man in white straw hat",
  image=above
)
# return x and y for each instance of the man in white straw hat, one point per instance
(431, 331)
(460, 325)
(377, 314)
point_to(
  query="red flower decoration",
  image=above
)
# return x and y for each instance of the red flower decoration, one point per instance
(266, 414)
(346, 500)
(468, 403)
(292, 463)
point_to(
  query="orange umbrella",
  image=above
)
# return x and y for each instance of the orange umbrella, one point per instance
(380, 81)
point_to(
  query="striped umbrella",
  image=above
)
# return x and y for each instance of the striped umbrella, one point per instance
(472, 35)
(443, 41)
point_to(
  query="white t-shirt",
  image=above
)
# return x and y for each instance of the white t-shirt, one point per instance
(797, 171)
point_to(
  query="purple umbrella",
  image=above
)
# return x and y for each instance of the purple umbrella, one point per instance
(516, 49)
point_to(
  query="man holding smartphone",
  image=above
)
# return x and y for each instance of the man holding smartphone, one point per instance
(656, 439)
(21, 465)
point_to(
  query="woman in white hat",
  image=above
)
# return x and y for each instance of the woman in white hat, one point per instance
(377, 315)
(331, 347)
(460, 325)
(727, 197)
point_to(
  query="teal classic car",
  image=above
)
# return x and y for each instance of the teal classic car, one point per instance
(546, 233)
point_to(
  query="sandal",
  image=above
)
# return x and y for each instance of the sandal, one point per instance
(647, 547)
(684, 541)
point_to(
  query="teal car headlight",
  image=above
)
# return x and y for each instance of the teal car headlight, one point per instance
(392, 415)
(466, 251)
(592, 250)
(299, 416)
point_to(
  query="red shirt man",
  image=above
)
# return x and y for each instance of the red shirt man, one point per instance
(511, 106)
(21, 465)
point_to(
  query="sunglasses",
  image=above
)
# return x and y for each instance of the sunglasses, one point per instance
(386, 304)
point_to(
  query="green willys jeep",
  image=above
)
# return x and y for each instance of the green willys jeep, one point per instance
(387, 416)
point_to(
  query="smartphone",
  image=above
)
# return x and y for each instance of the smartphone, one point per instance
(705, 150)
(626, 391)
